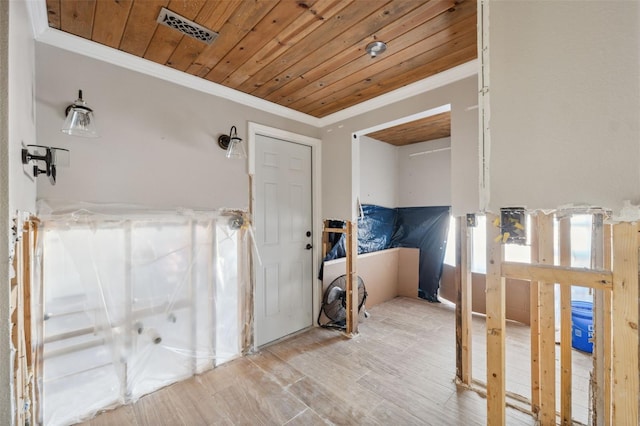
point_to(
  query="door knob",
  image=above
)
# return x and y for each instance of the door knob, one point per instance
(309, 247)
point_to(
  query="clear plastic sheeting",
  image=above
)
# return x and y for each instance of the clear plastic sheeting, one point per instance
(130, 304)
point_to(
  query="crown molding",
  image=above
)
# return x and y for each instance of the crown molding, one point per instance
(42, 33)
(443, 78)
(37, 10)
(403, 120)
(117, 57)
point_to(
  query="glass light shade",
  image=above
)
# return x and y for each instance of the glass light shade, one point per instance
(80, 121)
(236, 150)
(60, 157)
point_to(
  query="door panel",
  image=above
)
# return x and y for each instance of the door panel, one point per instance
(282, 220)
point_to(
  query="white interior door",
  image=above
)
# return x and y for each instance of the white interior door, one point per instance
(283, 222)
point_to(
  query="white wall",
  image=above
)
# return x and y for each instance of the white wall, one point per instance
(22, 111)
(17, 190)
(5, 217)
(159, 140)
(465, 149)
(564, 103)
(341, 185)
(378, 173)
(424, 179)
(391, 177)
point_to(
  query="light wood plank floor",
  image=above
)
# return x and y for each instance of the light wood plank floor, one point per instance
(398, 371)
(518, 371)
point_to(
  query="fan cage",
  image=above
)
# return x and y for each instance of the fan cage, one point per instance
(334, 302)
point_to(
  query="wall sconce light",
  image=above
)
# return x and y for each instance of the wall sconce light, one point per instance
(80, 120)
(232, 144)
(376, 48)
(52, 158)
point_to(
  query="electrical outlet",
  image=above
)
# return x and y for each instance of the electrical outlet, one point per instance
(513, 225)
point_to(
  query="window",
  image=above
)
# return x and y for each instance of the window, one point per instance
(450, 252)
(580, 250)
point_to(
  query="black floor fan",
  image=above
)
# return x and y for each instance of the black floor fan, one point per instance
(334, 302)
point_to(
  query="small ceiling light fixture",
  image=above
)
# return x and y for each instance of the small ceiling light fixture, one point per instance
(375, 48)
(232, 144)
(80, 120)
(52, 158)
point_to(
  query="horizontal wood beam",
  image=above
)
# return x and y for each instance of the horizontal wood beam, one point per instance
(336, 230)
(563, 275)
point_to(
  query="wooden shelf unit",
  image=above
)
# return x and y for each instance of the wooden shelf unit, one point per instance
(351, 245)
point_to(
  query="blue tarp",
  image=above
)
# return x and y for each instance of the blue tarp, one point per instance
(424, 228)
(375, 228)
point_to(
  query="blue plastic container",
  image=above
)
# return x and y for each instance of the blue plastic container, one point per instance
(582, 325)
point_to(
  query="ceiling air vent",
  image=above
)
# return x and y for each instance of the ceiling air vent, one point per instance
(185, 26)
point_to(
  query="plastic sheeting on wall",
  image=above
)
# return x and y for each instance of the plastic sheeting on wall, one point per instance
(132, 303)
(424, 228)
(375, 228)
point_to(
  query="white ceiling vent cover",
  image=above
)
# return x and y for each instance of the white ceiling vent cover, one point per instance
(185, 26)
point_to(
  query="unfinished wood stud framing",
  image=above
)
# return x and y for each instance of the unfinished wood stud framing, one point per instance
(600, 345)
(25, 393)
(458, 281)
(625, 324)
(496, 324)
(352, 279)
(606, 332)
(563, 275)
(351, 246)
(565, 324)
(547, 414)
(615, 279)
(325, 239)
(534, 312)
(463, 302)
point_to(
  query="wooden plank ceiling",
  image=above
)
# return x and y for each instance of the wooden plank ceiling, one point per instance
(308, 55)
(426, 129)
